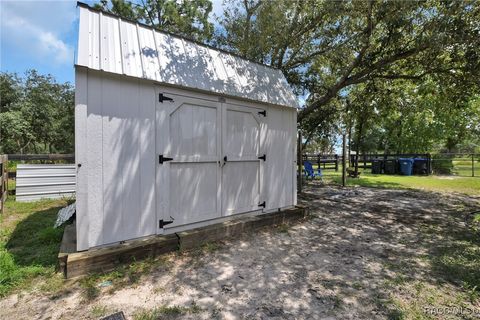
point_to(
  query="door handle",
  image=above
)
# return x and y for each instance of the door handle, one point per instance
(222, 162)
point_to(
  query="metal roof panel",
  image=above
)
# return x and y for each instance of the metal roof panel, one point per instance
(112, 44)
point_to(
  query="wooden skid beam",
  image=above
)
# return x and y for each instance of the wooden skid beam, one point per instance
(75, 264)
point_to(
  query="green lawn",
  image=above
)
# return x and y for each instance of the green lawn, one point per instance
(466, 185)
(29, 244)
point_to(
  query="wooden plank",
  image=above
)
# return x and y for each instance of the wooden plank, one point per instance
(107, 258)
(199, 236)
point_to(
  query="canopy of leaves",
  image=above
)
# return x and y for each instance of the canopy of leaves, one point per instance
(403, 117)
(36, 114)
(188, 18)
(327, 48)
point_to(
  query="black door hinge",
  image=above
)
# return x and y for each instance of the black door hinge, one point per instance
(262, 204)
(162, 98)
(264, 157)
(225, 159)
(162, 223)
(162, 159)
(264, 113)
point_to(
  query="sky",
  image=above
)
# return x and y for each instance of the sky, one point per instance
(42, 35)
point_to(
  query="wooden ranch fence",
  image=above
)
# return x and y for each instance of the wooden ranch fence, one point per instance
(324, 161)
(365, 160)
(3, 181)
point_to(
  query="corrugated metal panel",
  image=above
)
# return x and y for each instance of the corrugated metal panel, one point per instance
(37, 181)
(111, 44)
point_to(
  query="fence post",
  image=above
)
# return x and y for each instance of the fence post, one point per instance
(473, 165)
(299, 163)
(3, 182)
(336, 162)
(344, 161)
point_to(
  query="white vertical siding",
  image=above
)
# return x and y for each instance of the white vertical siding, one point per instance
(121, 160)
(146, 224)
(81, 158)
(280, 141)
(94, 165)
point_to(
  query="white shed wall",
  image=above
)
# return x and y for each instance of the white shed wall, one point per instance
(119, 167)
(116, 151)
(281, 157)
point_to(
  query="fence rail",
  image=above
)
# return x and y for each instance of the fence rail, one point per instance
(456, 164)
(324, 161)
(50, 157)
(3, 181)
(365, 160)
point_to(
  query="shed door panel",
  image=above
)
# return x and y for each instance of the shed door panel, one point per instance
(241, 176)
(188, 131)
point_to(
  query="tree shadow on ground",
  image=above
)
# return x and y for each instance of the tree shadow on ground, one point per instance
(34, 241)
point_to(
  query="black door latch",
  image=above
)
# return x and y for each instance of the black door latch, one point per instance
(162, 159)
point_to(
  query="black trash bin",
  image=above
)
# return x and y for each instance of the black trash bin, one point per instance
(377, 166)
(390, 166)
(420, 166)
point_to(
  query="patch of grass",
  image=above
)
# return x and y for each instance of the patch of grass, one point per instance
(54, 284)
(283, 228)
(466, 185)
(29, 245)
(99, 311)
(337, 302)
(121, 276)
(458, 261)
(90, 289)
(415, 299)
(12, 184)
(210, 247)
(357, 285)
(172, 311)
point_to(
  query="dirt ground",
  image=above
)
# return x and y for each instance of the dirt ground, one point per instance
(363, 254)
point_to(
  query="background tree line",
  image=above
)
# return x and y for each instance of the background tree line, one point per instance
(396, 76)
(36, 114)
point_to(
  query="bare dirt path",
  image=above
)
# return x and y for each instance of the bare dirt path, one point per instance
(363, 254)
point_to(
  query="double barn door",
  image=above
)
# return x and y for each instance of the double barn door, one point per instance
(210, 159)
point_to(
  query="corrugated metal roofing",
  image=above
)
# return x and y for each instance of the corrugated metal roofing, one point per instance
(38, 181)
(111, 44)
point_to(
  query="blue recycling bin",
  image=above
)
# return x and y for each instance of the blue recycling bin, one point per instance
(406, 166)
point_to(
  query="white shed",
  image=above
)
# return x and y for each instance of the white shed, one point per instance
(172, 134)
